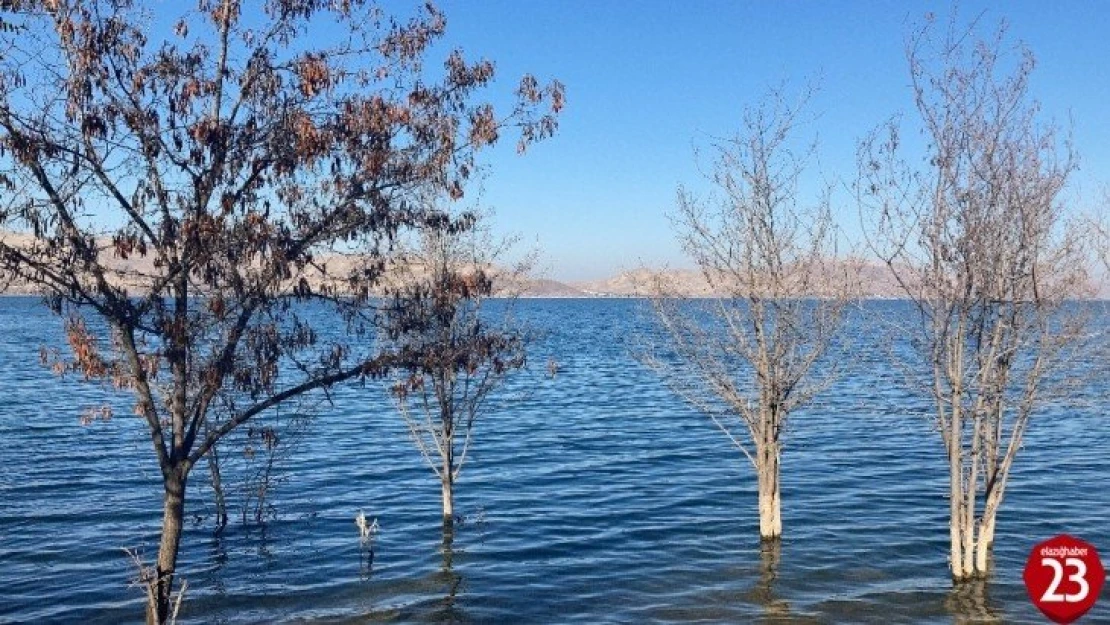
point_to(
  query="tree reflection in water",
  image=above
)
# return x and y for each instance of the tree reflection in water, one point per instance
(775, 609)
(449, 610)
(970, 602)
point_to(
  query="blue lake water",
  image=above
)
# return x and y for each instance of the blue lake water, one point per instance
(592, 496)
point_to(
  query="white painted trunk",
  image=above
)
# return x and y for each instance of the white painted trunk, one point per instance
(971, 557)
(770, 516)
(968, 567)
(955, 499)
(448, 499)
(770, 498)
(447, 479)
(961, 561)
(985, 543)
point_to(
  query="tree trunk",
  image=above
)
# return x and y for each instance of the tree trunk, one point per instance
(985, 542)
(962, 562)
(448, 498)
(968, 529)
(956, 498)
(972, 540)
(770, 501)
(159, 610)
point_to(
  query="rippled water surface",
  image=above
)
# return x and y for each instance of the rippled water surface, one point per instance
(593, 496)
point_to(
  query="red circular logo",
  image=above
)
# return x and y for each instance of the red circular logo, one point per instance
(1064, 577)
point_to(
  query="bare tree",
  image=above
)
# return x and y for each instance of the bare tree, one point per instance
(751, 354)
(452, 351)
(267, 445)
(1101, 232)
(169, 197)
(980, 244)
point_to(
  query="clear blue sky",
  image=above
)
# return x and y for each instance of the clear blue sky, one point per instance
(648, 80)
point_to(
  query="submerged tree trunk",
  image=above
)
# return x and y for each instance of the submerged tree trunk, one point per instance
(985, 543)
(448, 499)
(963, 547)
(971, 557)
(159, 609)
(770, 500)
(955, 496)
(448, 483)
(972, 535)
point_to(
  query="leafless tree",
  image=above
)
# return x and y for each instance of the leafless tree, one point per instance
(980, 244)
(452, 351)
(171, 196)
(751, 354)
(1101, 231)
(266, 447)
(246, 468)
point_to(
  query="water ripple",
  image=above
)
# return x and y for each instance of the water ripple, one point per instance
(593, 496)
